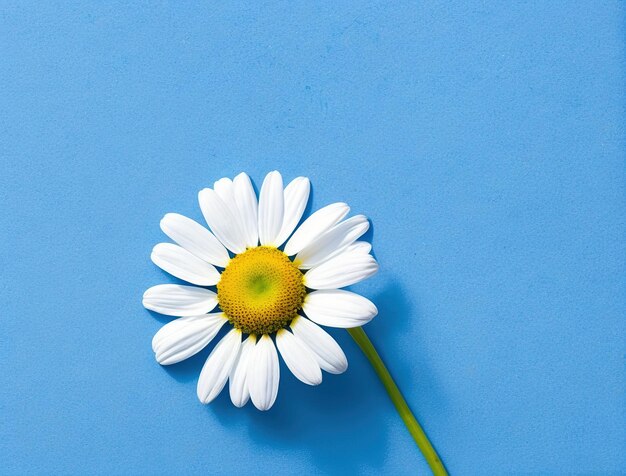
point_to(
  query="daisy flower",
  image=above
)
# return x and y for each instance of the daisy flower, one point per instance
(274, 287)
(275, 284)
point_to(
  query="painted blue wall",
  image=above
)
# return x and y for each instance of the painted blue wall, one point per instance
(484, 139)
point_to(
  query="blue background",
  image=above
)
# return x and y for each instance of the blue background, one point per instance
(486, 142)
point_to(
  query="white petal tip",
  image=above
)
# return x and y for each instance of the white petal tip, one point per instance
(164, 362)
(238, 401)
(340, 370)
(164, 220)
(205, 399)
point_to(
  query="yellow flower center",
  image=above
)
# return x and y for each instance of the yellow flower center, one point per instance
(261, 290)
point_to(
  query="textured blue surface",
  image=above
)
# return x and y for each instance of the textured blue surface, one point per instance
(485, 141)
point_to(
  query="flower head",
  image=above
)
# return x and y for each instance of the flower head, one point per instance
(275, 285)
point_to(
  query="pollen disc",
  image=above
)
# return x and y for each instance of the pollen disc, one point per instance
(261, 290)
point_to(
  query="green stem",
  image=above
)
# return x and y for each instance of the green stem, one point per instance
(432, 458)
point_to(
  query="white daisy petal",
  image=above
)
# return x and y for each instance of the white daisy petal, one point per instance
(316, 225)
(237, 382)
(179, 300)
(264, 374)
(359, 246)
(217, 367)
(247, 203)
(195, 238)
(333, 242)
(343, 270)
(225, 189)
(329, 355)
(271, 206)
(339, 308)
(298, 357)
(181, 263)
(296, 198)
(185, 336)
(223, 223)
